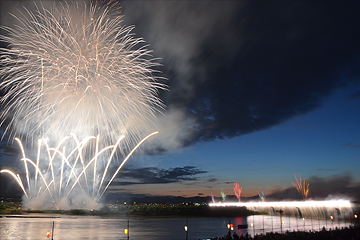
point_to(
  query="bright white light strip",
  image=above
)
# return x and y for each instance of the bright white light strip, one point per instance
(331, 203)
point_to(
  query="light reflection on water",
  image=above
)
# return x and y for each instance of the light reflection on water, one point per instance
(35, 226)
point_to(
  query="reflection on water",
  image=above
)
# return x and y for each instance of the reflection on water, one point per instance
(35, 226)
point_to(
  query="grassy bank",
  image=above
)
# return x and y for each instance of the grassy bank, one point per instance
(146, 210)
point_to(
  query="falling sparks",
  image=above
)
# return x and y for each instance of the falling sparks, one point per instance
(76, 164)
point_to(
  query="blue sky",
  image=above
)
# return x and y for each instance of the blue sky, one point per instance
(322, 143)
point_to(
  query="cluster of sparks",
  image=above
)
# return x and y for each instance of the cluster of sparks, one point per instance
(82, 172)
(302, 187)
(74, 68)
(237, 191)
(262, 195)
(223, 195)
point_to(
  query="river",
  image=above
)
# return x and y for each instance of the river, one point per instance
(36, 226)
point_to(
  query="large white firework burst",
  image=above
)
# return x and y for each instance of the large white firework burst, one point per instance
(76, 68)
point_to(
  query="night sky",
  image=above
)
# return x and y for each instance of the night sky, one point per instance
(258, 91)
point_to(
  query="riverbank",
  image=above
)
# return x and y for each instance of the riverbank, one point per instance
(348, 233)
(180, 210)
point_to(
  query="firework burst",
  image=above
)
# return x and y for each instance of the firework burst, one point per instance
(302, 187)
(76, 68)
(237, 190)
(69, 171)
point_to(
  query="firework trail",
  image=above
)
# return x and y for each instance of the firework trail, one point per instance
(302, 187)
(212, 198)
(76, 68)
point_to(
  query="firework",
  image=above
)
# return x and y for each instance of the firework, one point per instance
(212, 198)
(302, 187)
(69, 169)
(76, 68)
(262, 195)
(237, 191)
(223, 195)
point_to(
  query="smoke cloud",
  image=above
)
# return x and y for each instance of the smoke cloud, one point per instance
(237, 67)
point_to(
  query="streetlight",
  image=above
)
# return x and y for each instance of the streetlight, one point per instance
(355, 216)
(338, 212)
(304, 223)
(186, 228)
(332, 221)
(127, 230)
(281, 221)
(252, 225)
(297, 226)
(272, 224)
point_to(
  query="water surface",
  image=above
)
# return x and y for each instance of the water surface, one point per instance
(36, 226)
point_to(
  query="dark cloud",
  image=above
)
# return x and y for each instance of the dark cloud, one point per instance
(236, 67)
(153, 175)
(351, 145)
(200, 194)
(326, 169)
(355, 95)
(213, 179)
(257, 169)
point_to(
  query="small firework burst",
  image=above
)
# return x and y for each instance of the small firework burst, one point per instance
(302, 187)
(237, 191)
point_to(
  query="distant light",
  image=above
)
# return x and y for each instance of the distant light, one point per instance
(251, 225)
(303, 219)
(355, 216)
(332, 217)
(186, 228)
(283, 222)
(125, 231)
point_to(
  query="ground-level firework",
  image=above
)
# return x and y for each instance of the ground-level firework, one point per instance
(318, 209)
(237, 191)
(69, 178)
(302, 187)
(262, 195)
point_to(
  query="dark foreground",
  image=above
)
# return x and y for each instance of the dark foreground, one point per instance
(352, 233)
